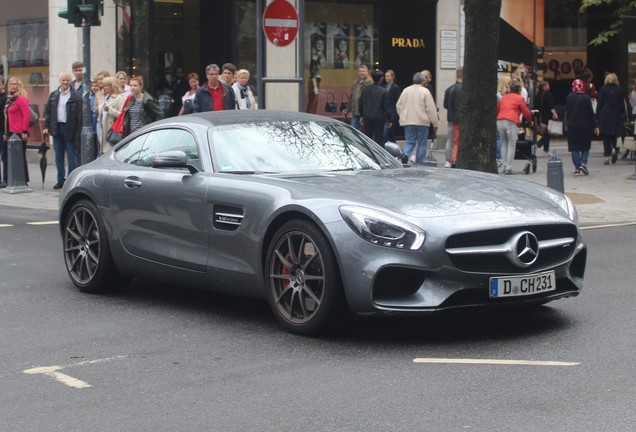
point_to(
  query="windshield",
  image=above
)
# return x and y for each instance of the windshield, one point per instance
(295, 146)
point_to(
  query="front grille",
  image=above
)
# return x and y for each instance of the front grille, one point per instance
(499, 263)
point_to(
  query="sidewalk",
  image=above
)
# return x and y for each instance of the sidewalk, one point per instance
(606, 196)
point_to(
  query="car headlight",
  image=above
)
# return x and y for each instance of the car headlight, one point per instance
(572, 213)
(383, 229)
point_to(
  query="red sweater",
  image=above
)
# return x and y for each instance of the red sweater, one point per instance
(511, 106)
(19, 116)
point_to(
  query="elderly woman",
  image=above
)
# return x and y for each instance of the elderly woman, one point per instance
(108, 110)
(581, 123)
(244, 96)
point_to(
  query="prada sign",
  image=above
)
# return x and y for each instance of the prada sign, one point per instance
(398, 42)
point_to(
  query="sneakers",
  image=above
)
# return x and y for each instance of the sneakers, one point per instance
(584, 169)
(447, 165)
(58, 185)
(498, 163)
(507, 171)
(607, 162)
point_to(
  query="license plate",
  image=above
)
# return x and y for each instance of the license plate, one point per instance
(522, 285)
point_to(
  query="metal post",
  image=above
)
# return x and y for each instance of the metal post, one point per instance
(555, 173)
(16, 176)
(87, 146)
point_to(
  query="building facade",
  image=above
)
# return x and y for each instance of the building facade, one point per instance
(153, 37)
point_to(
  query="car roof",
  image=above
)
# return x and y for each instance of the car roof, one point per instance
(242, 116)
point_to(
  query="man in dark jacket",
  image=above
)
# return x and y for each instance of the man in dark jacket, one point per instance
(375, 109)
(453, 103)
(213, 95)
(63, 122)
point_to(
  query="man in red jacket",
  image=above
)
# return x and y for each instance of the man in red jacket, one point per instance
(509, 110)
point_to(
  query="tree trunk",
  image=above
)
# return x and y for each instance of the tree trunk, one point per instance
(477, 138)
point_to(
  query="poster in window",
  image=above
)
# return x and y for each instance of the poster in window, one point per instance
(362, 39)
(341, 49)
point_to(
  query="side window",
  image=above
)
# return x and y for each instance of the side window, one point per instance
(132, 152)
(141, 150)
(171, 139)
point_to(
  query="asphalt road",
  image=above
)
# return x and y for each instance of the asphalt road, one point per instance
(165, 358)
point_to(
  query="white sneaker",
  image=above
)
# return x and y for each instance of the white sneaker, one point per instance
(447, 165)
(412, 160)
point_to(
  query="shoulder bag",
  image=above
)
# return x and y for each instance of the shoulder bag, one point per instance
(116, 132)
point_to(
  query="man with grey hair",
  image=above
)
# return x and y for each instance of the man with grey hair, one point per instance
(418, 114)
(213, 95)
(63, 121)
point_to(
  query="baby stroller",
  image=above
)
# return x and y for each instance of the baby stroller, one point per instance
(525, 148)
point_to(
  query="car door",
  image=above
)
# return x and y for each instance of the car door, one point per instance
(160, 213)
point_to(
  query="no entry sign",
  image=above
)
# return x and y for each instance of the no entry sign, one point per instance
(280, 22)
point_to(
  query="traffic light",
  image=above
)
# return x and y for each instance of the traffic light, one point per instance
(91, 10)
(72, 13)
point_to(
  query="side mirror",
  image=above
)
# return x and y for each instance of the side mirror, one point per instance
(395, 151)
(172, 159)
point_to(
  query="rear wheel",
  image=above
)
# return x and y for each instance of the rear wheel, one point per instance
(86, 251)
(303, 281)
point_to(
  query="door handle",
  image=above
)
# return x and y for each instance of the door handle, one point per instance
(132, 182)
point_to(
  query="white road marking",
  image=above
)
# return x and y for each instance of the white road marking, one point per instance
(614, 225)
(493, 362)
(52, 371)
(43, 223)
(5, 225)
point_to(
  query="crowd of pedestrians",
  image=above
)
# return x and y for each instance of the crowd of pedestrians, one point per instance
(112, 98)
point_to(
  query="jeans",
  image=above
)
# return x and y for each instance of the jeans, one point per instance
(416, 136)
(508, 132)
(61, 146)
(448, 150)
(355, 122)
(579, 158)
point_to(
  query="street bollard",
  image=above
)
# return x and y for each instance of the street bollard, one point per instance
(16, 180)
(555, 173)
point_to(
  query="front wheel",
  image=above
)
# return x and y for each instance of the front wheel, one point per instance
(86, 251)
(303, 282)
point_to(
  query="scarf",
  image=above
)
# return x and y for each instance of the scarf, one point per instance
(10, 101)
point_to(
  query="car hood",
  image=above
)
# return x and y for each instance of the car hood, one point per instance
(424, 192)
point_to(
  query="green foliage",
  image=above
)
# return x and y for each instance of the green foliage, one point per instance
(621, 8)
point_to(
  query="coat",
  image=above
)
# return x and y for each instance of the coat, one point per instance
(416, 107)
(74, 117)
(115, 106)
(149, 108)
(581, 121)
(610, 110)
(203, 98)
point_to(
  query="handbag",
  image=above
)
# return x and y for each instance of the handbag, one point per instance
(344, 102)
(555, 127)
(541, 128)
(331, 106)
(35, 117)
(117, 131)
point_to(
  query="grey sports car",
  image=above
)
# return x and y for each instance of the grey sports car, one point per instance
(313, 216)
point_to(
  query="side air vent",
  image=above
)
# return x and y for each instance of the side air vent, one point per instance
(227, 218)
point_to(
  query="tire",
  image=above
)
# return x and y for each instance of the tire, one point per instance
(304, 287)
(534, 164)
(86, 251)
